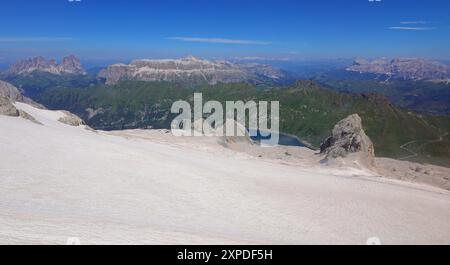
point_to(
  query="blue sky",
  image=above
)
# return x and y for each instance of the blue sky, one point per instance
(122, 30)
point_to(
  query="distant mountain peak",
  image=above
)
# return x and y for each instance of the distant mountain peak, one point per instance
(69, 65)
(191, 58)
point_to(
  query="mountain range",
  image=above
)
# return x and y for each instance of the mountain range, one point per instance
(201, 71)
(69, 65)
(403, 68)
(191, 70)
(188, 70)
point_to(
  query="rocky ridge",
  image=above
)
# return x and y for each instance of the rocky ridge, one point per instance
(403, 68)
(189, 69)
(69, 65)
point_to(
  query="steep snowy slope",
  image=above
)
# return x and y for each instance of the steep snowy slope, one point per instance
(59, 181)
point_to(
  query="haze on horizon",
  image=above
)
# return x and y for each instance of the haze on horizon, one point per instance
(119, 30)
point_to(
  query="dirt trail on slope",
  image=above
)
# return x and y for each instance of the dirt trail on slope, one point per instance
(415, 154)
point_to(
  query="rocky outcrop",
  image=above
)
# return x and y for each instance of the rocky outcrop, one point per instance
(238, 141)
(10, 94)
(7, 108)
(348, 139)
(71, 119)
(27, 116)
(412, 69)
(14, 94)
(68, 65)
(9, 91)
(189, 70)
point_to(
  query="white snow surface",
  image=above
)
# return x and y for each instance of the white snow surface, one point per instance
(58, 181)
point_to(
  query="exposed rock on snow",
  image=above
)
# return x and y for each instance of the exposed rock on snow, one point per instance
(348, 137)
(11, 92)
(71, 119)
(27, 116)
(7, 108)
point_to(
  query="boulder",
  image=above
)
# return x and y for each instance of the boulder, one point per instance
(348, 139)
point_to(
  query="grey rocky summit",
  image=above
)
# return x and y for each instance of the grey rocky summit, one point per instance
(72, 65)
(69, 65)
(349, 139)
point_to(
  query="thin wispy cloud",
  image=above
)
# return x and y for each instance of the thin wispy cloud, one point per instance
(220, 40)
(35, 39)
(412, 28)
(420, 22)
